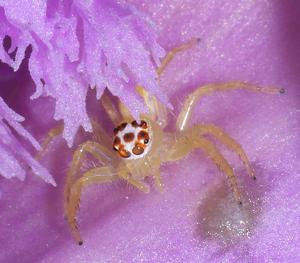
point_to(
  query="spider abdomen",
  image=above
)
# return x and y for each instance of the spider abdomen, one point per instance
(132, 140)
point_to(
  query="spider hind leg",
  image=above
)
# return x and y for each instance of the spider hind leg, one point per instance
(226, 139)
(219, 160)
(189, 142)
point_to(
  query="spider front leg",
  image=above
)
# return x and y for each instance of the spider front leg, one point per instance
(192, 99)
(188, 142)
(96, 175)
(157, 111)
(171, 54)
(54, 132)
(112, 111)
(104, 156)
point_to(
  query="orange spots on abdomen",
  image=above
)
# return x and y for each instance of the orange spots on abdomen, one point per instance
(128, 137)
(132, 139)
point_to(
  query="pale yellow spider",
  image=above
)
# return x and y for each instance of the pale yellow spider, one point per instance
(137, 149)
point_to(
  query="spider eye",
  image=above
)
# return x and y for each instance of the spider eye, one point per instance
(115, 149)
(146, 141)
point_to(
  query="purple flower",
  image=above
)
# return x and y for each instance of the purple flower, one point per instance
(196, 218)
(76, 45)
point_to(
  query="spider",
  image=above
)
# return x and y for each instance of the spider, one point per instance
(139, 147)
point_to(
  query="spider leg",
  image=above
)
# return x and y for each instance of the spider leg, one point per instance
(54, 132)
(194, 97)
(100, 135)
(96, 175)
(125, 113)
(189, 142)
(116, 114)
(221, 163)
(157, 111)
(134, 182)
(112, 112)
(158, 181)
(227, 140)
(156, 108)
(171, 54)
(98, 151)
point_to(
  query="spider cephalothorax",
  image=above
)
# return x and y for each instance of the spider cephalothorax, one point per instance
(148, 145)
(132, 140)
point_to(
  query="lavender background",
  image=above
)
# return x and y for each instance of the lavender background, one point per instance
(196, 218)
